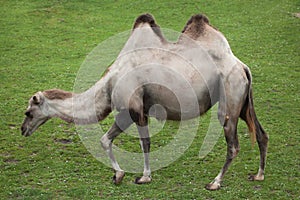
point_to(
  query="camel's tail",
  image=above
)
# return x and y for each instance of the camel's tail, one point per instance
(248, 112)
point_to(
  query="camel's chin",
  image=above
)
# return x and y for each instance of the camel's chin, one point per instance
(27, 135)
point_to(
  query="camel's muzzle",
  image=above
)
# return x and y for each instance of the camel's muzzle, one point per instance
(24, 128)
(28, 126)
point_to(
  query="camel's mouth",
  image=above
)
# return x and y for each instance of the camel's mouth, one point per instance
(26, 133)
(27, 129)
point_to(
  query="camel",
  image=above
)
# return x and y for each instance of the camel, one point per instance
(186, 78)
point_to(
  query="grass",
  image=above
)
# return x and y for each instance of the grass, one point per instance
(43, 44)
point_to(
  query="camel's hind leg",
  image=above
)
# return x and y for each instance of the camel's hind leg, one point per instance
(141, 122)
(233, 92)
(145, 145)
(122, 122)
(230, 131)
(262, 140)
(249, 116)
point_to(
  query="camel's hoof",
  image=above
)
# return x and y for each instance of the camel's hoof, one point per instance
(256, 178)
(143, 180)
(213, 186)
(118, 177)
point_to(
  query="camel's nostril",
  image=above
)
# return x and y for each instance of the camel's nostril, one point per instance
(28, 114)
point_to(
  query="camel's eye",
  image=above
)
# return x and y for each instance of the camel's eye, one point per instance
(28, 114)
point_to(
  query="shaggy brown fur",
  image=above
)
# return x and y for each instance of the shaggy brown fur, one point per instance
(195, 26)
(147, 18)
(57, 94)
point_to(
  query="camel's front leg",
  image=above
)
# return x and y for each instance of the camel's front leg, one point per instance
(145, 145)
(121, 123)
(106, 142)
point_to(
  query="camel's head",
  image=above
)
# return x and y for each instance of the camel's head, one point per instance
(36, 114)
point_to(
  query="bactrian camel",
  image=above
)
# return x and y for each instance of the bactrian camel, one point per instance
(186, 78)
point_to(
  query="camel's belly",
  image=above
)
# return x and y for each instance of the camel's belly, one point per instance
(180, 104)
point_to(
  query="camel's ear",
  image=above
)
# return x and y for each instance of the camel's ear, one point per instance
(38, 98)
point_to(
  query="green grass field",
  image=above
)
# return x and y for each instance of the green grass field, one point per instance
(43, 44)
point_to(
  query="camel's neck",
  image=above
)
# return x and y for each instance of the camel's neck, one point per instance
(88, 107)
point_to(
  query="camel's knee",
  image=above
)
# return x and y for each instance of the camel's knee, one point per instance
(232, 152)
(262, 139)
(105, 142)
(235, 151)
